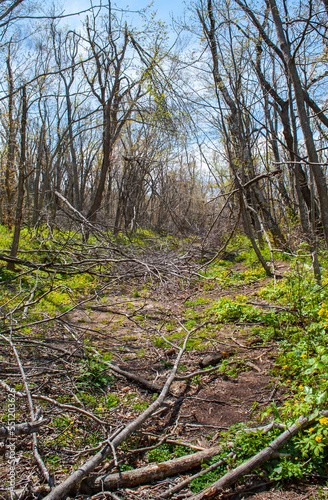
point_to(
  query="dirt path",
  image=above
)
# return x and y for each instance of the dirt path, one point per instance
(128, 327)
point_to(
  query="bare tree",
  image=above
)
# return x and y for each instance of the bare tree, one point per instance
(113, 87)
(236, 127)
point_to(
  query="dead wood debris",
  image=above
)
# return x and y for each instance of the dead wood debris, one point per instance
(61, 490)
(150, 386)
(23, 429)
(109, 447)
(153, 472)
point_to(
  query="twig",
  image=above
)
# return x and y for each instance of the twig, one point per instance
(104, 494)
(198, 372)
(149, 448)
(207, 425)
(113, 451)
(53, 401)
(168, 440)
(254, 366)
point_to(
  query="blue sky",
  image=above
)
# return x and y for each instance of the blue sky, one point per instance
(165, 9)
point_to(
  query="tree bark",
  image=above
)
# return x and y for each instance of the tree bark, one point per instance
(153, 472)
(9, 175)
(22, 429)
(21, 182)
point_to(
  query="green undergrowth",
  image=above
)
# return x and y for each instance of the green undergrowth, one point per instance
(167, 451)
(94, 373)
(238, 265)
(48, 292)
(227, 277)
(302, 457)
(291, 312)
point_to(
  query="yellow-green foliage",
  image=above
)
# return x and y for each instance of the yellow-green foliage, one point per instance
(227, 277)
(45, 292)
(5, 238)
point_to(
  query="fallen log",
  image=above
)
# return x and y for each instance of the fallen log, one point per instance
(153, 472)
(263, 456)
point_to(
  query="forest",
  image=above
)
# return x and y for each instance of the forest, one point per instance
(164, 250)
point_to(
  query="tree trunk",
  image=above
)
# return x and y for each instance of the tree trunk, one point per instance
(105, 166)
(9, 174)
(21, 182)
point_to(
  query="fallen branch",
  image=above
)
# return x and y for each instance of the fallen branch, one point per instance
(183, 443)
(264, 429)
(62, 489)
(22, 429)
(57, 317)
(198, 372)
(153, 472)
(150, 386)
(23, 262)
(104, 494)
(263, 456)
(165, 439)
(34, 418)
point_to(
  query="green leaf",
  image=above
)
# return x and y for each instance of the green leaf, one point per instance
(322, 398)
(275, 410)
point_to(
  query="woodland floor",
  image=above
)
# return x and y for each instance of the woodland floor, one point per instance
(124, 322)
